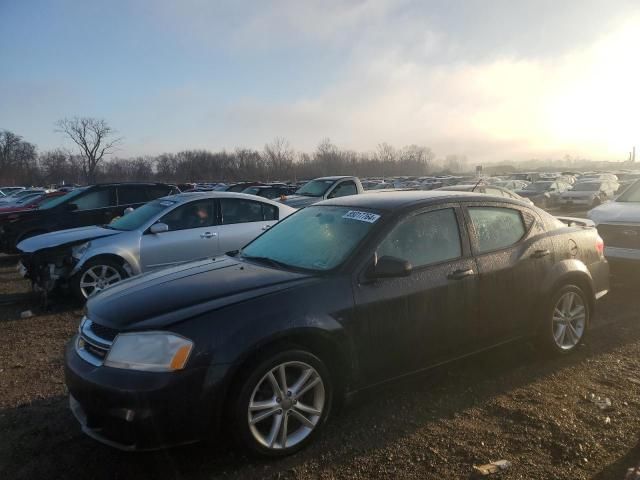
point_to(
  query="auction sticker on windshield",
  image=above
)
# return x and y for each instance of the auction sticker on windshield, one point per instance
(361, 216)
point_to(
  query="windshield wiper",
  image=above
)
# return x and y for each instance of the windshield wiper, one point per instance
(267, 260)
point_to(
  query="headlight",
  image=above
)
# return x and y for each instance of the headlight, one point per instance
(79, 250)
(149, 351)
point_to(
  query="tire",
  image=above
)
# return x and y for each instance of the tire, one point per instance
(566, 321)
(256, 429)
(106, 272)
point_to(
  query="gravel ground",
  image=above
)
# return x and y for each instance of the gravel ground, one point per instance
(511, 403)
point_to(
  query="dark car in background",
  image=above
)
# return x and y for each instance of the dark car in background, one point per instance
(270, 191)
(544, 193)
(92, 205)
(338, 297)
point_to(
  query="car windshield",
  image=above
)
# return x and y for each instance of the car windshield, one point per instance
(586, 187)
(60, 200)
(537, 187)
(631, 194)
(316, 238)
(141, 215)
(315, 188)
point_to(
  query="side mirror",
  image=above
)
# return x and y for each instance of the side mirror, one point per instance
(389, 267)
(127, 211)
(71, 207)
(159, 228)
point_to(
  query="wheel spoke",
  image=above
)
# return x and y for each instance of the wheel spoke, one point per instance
(308, 386)
(275, 428)
(103, 272)
(262, 416)
(92, 274)
(283, 431)
(307, 409)
(574, 333)
(301, 381)
(558, 316)
(303, 420)
(87, 284)
(282, 374)
(567, 302)
(274, 384)
(263, 405)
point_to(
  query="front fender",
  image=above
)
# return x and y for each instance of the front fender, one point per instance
(129, 258)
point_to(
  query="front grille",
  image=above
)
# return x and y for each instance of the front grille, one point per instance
(621, 236)
(94, 342)
(103, 332)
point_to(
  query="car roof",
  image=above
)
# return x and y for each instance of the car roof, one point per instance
(393, 200)
(335, 177)
(188, 196)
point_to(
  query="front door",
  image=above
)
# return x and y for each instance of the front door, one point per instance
(418, 320)
(96, 207)
(192, 234)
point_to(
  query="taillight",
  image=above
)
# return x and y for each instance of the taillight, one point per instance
(600, 245)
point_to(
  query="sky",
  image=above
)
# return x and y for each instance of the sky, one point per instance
(494, 80)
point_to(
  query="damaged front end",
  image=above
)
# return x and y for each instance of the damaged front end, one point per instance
(50, 267)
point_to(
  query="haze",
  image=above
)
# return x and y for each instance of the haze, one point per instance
(494, 81)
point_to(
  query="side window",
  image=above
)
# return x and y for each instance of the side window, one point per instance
(240, 211)
(94, 199)
(496, 227)
(424, 239)
(131, 194)
(191, 215)
(344, 189)
(270, 212)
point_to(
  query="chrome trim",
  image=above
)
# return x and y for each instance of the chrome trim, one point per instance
(85, 335)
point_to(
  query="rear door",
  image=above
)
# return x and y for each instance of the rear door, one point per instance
(131, 196)
(241, 220)
(192, 234)
(98, 206)
(418, 320)
(513, 253)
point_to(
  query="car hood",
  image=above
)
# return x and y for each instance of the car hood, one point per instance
(159, 299)
(616, 212)
(579, 194)
(64, 237)
(299, 201)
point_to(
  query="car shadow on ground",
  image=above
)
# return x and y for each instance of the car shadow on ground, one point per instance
(42, 439)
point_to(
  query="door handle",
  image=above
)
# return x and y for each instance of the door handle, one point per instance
(266, 227)
(540, 253)
(460, 274)
(208, 235)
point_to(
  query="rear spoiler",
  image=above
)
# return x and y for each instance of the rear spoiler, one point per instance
(577, 222)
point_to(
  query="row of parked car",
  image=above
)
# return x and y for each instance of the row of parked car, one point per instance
(286, 307)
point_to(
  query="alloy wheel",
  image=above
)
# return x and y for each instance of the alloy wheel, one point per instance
(286, 405)
(569, 320)
(97, 278)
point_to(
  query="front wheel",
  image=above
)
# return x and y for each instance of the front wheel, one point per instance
(567, 320)
(96, 275)
(281, 403)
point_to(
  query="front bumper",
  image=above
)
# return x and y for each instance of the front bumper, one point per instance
(132, 410)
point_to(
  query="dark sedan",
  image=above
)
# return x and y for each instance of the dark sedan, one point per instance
(340, 296)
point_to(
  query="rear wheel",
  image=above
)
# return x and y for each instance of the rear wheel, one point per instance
(567, 320)
(96, 275)
(281, 402)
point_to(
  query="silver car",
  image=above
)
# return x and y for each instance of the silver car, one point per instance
(161, 233)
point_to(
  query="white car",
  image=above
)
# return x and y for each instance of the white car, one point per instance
(618, 224)
(159, 234)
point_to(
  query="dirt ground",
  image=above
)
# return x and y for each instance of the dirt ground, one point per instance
(511, 403)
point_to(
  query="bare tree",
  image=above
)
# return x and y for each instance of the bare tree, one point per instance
(93, 137)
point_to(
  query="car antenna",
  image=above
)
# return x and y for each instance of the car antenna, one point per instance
(476, 185)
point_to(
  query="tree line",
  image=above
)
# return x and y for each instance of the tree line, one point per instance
(94, 141)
